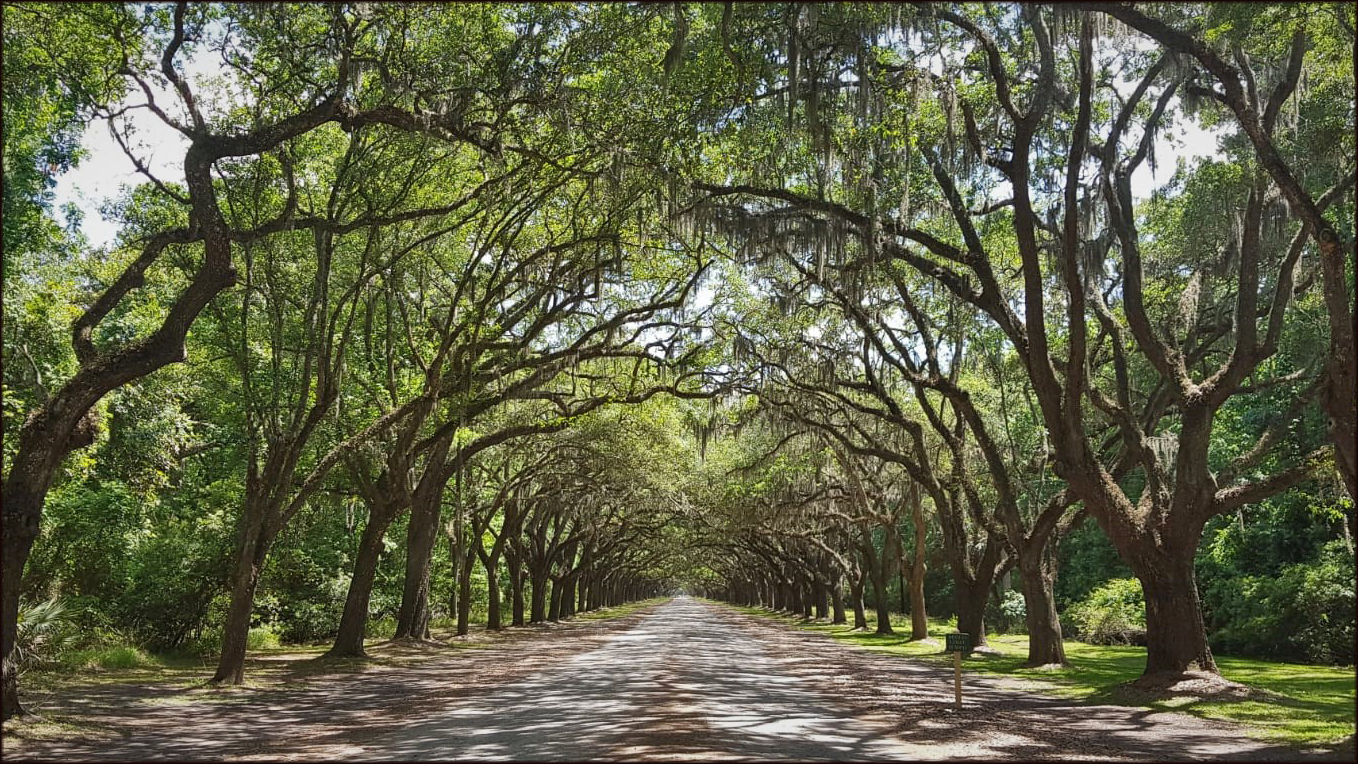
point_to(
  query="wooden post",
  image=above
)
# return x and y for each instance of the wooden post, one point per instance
(957, 643)
(957, 678)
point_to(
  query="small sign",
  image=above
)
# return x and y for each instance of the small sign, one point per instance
(958, 642)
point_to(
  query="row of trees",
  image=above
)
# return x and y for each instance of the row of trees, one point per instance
(421, 262)
(965, 293)
(393, 260)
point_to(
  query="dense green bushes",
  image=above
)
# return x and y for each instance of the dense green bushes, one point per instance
(1303, 613)
(1112, 614)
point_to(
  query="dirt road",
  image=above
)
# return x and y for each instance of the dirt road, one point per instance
(684, 680)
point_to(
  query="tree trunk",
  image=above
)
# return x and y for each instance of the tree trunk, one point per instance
(554, 602)
(971, 600)
(837, 599)
(821, 599)
(59, 427)
(1045, 645)
(353, 624)
(254, 546)
(515, 594)
(919, 615)
(1175, 638)
(413, 621)
(856, 586)
(881, 602)
(493, 595)
(464, 597)
(22, 510)
(568, 597)
(539, 597)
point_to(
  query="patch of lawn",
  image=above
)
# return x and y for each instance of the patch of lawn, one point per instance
(618, 611)
(1310, 706)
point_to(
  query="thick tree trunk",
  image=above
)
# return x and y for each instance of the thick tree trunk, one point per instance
(515, 595)
(856, 586)
(837, 599)
(253, 548)
(353, 624)
(539, 597)
(821, 599)
(1176, 640)
(464, 598)
(592, 593)
(971, 601)
(413, 620)
(493, 595)
(568, 597)
(59, 427)
(21, 529)
(1045, 644)
(919, 615)
(554, 602)
(881, 603)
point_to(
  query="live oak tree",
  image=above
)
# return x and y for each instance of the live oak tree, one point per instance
(891, 283)
(1065, 222)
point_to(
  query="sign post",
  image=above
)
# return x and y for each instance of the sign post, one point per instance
(958, 643)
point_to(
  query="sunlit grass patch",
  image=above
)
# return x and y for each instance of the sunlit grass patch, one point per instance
(107, 658)
(1309, 706)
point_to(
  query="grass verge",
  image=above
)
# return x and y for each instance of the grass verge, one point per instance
(1310, 706)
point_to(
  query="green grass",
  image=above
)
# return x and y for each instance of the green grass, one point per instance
(618, 611)
(107, 658)
(1312, 706)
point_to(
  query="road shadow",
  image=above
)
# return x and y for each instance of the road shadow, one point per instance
(682, 681)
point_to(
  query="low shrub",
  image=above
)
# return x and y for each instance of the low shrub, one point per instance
(208, 644)
(45, 630)
(381, 628)
(1015, 612)
(1112, 614)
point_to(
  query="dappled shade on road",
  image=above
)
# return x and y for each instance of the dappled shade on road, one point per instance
(683, 680)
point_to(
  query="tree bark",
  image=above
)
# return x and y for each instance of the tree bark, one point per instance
(493, 596)
(515, 591)
(413, 621)
(353, 624)
(837, 598)
(971, 600)
(22, 510)
(254, 547)
(1176, 640)
(919, 615)
(1045, 644)
(856, 585)
(538, 602)
(554, 601)
(464, 597)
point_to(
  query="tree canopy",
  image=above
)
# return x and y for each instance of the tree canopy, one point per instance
(453, 310)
